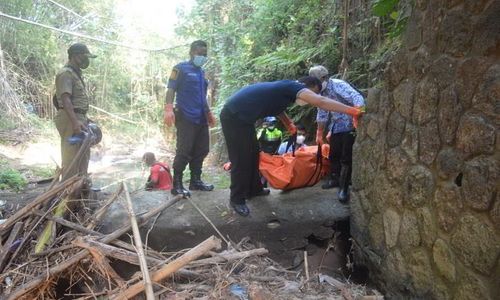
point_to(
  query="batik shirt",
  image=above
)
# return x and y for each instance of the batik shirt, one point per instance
(342, 92)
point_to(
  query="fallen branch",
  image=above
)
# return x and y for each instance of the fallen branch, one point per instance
(98, 215)
(103, 264)
(127, 256)
(6, 249)
(61, 267)
(167, 270)
(49, 232)
(337, 284)
(150, 295)
(230, 257)
(82, 229)
(47, 196)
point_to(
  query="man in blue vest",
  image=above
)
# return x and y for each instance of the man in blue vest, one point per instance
(191, 116)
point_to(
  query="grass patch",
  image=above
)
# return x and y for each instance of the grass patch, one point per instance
(12, 180)
(42, 172)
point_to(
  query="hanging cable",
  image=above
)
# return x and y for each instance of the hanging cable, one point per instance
(76, 14)
(90, 37)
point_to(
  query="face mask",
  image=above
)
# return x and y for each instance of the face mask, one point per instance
(301, 139)
(323, 85)
(199, 60)
(84, 62)
(271, 127)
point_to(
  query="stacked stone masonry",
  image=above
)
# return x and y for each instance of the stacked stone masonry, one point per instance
(426, 205)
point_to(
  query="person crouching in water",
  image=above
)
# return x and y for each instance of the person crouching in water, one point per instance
(159, 176)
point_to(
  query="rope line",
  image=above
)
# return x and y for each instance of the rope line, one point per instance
(90, 37)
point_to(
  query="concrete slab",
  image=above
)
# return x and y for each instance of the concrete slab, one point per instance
(281, 222)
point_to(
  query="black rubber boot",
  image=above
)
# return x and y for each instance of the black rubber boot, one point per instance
(344, 184)
(178, 188)
(241, 209)
(332, 182)
(196, 184)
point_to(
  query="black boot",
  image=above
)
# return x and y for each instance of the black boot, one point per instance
(178, 188)
(196, 184)
(344, 183)
(332, 182)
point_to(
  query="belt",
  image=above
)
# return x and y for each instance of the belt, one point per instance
(80, 111)
(77, 110)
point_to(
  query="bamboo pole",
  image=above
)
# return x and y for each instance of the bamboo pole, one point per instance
(98, 215)
(49, 231)
(114, 252)
(230, 257)
(128, 256)
(167, 270)
(64, 265)
(82, 229)
(150, 295)
(47, 196)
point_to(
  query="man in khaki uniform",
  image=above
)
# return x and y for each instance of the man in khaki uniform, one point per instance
(72, 106)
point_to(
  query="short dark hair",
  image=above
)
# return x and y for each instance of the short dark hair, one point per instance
(197, 44)
(149, 158)
(310, 82)
(300, 126)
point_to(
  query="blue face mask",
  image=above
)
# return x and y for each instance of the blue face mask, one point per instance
(199, 60)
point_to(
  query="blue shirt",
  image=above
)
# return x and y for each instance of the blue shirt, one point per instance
(189, 83)
(263, 99)
(282, 149)
(343, 92)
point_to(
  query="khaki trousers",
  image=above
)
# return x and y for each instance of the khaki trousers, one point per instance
(68, 152)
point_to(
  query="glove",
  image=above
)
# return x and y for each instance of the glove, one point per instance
(211, 119)
(169, 116)
(328, 136)
(356, 112)
(319, 136)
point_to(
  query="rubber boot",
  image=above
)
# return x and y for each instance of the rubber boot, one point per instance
(196, 184)
(344, 184)
(332, 182)
(178, 188)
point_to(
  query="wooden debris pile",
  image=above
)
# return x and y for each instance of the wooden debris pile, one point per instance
(51, 250)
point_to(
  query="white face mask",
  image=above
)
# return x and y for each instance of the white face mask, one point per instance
(199, 60)
(323, 85)
(301, 139)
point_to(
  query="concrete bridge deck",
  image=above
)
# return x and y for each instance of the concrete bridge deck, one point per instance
(281, 222)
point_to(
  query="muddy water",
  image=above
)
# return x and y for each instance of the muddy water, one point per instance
(108, 171)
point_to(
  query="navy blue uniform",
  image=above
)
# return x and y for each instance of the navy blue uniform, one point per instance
(238, 117)
(190, 86)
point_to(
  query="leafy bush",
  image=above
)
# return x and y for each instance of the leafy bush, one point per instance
(11, 179)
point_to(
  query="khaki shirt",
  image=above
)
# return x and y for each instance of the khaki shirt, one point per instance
(67, 81)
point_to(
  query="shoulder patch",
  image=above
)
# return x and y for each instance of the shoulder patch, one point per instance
(174, 74)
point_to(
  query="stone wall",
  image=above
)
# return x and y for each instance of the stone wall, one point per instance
(425, 205)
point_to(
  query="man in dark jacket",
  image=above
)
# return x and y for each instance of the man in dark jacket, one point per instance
(254, 102)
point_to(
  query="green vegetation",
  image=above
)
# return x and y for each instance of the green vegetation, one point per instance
(249, 41)
(11, 179)
(42, 172)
